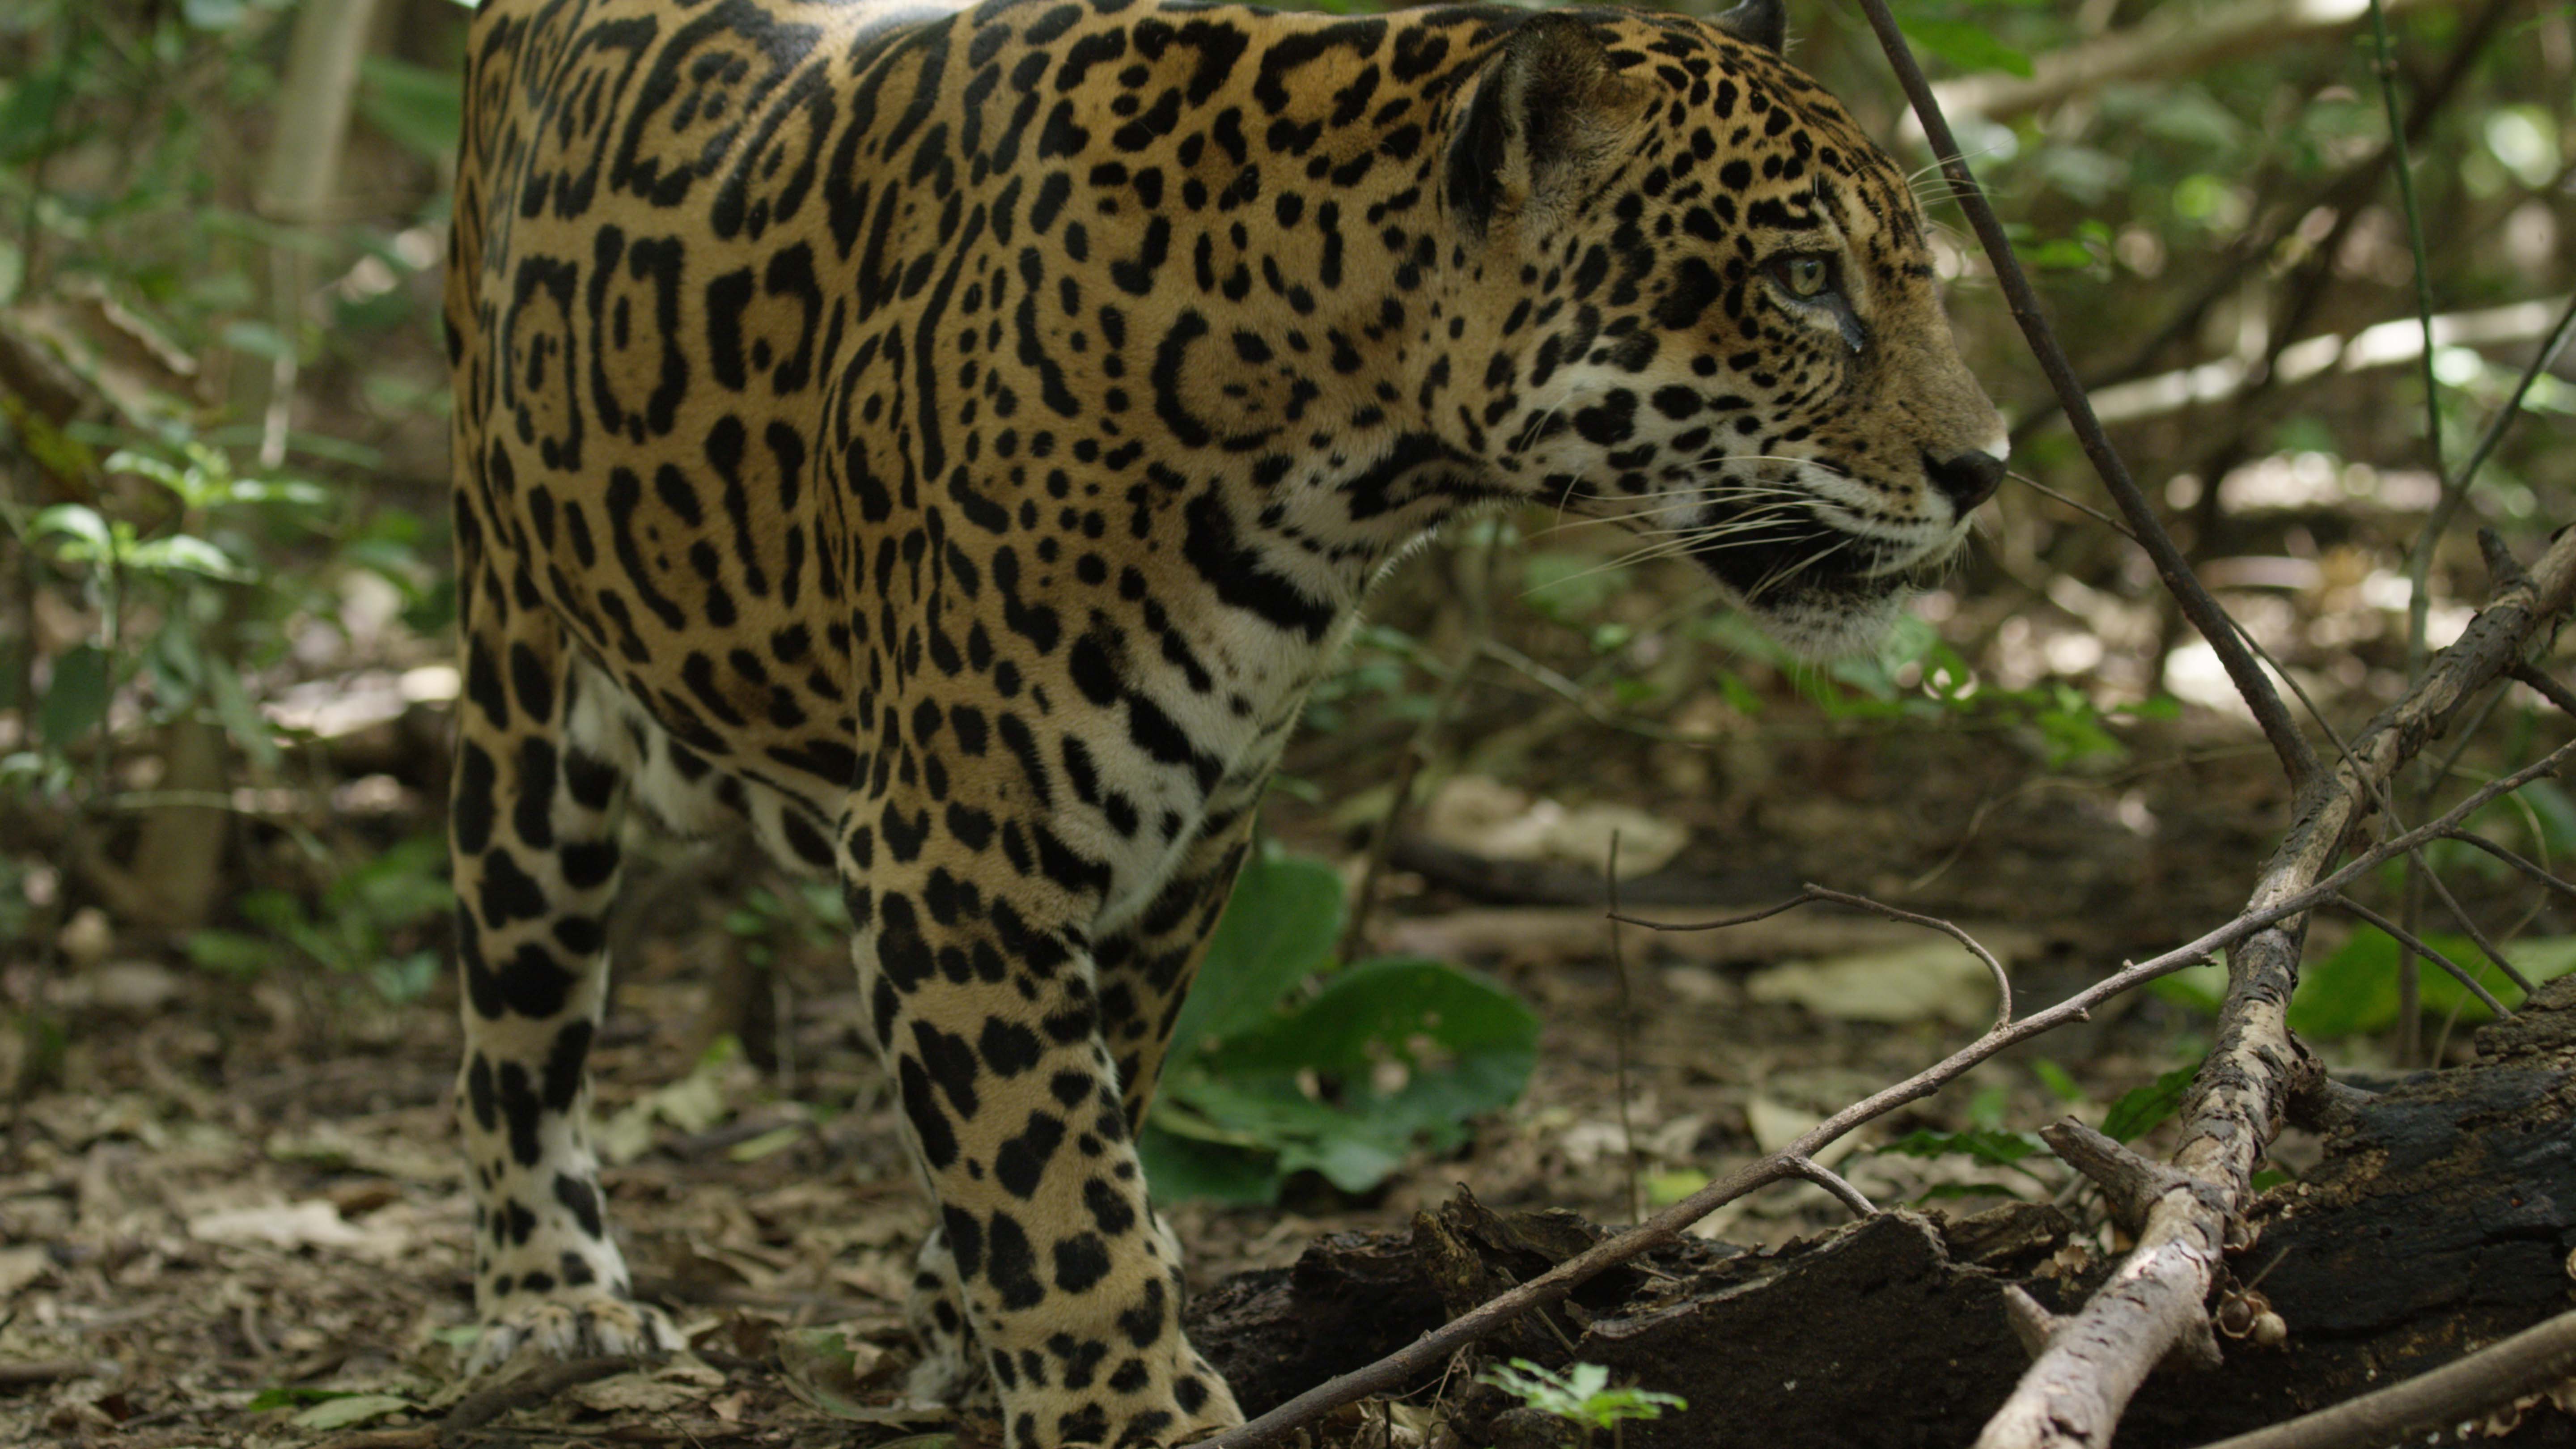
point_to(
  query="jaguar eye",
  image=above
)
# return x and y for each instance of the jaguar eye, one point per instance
(1805, 277)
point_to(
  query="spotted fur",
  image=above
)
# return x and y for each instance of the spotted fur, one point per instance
(954, 442)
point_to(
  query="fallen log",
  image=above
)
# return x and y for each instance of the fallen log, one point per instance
(2442, 1218)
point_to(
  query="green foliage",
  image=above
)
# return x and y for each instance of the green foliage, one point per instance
(1916, 678)
(205, 573)
(1379, 1060)
(2353, 991)
(2140, 1110)
(352, 931)
(1580, 1395)
(810, 912)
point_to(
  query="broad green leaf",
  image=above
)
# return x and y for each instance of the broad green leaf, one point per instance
(1181, 1167)
(2139, 1109)
(2355, 989)
(1408, 1052)
(73, 520)
(185, 554)
(1277, 930)
(76, 698)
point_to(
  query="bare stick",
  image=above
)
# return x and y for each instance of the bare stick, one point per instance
(2171, 566)
(2527, 1363)
(1619, 1038)
(2548, 688)
(2477, 933)
(2034, 1325)
(1835, 1183)
(1427, 1353)
(2130, 1183)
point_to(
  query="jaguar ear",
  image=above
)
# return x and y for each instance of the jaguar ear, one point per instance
(1545, 107)
(1757, 22)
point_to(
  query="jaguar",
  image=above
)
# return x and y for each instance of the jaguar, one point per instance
(949, 443)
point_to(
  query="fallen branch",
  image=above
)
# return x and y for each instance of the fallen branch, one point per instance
(1426, 1354)
(2073, 1394)
(2533, 1361)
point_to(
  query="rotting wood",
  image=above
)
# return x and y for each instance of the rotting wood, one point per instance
(2394, 1256)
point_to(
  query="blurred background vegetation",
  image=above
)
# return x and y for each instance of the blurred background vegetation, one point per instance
(225, 613)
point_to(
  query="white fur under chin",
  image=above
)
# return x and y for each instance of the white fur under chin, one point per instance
(1821, 633)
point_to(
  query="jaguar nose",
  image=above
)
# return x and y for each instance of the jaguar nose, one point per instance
(1968, 478)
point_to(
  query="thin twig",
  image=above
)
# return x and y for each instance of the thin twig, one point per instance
(2194, 599)
(2541, 360)
(1619, 1037)
(2530, 1362)
(1811, 892)
(2419, 565)
(2546, 687)
(2477, 933)
(1835, 1183)
(2514, 858)
(2421, 947)
(2385, 67)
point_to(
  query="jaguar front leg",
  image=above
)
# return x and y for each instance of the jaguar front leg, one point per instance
(533, 833)
(985, 1002)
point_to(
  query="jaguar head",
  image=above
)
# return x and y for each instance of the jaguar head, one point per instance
(1704, 306)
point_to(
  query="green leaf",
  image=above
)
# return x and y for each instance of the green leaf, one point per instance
(1965, 45)
(241, 718)
(416, 107)
(76, 698)
(234, 953)
(77, 521)
(2139, 1109)
(183, 554)
(1277, 930)
(1406, 1051)
(1993, 1147)
(1182, 1167)
(259, 340)
(2060, 1083)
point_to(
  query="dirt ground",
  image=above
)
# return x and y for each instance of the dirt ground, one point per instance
(232, 1201)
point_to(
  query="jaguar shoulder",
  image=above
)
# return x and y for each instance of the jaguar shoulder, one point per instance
(953, 443)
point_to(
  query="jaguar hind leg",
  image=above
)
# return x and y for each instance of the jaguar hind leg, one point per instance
(533, 831)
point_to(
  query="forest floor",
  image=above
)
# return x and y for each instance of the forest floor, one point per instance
(236, 1215)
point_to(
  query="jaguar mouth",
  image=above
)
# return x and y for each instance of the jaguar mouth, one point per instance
(1820, 589)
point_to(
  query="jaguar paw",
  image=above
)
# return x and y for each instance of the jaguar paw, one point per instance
(589, 1325)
